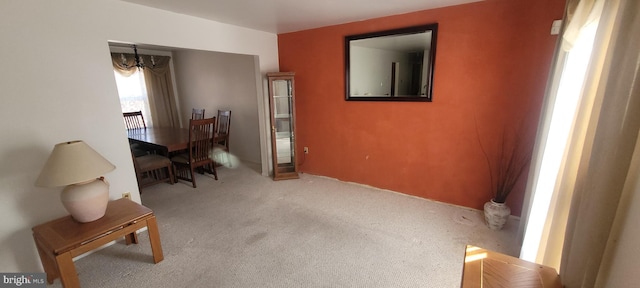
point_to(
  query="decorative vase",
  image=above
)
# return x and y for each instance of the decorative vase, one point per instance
(86, 201)
(496, 214)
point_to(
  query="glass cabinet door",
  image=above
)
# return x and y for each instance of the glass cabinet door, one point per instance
(281, 100)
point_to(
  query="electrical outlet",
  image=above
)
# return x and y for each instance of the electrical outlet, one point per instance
(306, 150)
(555, 27)
(126, 195)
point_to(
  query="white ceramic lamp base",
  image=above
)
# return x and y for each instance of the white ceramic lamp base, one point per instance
(87, 201)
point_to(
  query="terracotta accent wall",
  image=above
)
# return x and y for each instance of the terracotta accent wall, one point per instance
(491, 68)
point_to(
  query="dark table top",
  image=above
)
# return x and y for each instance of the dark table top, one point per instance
(172, 139)
(168, 138)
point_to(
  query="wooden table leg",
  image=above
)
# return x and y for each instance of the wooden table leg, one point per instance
(68, 274)
(131, 238)
(47, 262)
(154, 239)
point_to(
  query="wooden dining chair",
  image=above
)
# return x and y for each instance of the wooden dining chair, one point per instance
(223, 127)
(134, 120)
(152, 169)
(201, 133)
(197, 113)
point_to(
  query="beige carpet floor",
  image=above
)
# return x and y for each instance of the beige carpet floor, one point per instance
(246, 230)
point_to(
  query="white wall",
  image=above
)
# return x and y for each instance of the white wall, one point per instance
(224, 81)
(57, 85)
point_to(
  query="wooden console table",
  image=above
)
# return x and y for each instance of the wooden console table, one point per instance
(60, 240)
(485, 268)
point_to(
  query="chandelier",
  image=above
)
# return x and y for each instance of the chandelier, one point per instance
(139, 61)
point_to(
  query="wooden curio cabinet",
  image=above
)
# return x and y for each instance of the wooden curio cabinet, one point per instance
(283, 132)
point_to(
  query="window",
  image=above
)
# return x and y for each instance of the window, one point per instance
(133, 94)
(569, 91)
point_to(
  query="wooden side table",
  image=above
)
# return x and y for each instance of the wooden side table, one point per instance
(485, 268)
(60, 240)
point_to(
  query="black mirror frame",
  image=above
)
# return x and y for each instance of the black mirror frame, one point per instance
(407, 30)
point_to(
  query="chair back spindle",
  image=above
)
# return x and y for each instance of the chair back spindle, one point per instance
(197, 114)
(134, 120)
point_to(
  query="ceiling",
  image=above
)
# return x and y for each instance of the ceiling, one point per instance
(282, 16)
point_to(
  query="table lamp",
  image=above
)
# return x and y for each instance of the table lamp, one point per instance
(77, 166)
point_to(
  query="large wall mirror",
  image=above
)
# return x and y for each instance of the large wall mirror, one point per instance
(392, 65)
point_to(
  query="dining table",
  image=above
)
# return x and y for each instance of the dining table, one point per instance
(166, 139)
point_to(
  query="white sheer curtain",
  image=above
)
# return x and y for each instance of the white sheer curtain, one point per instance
(580, 205)
(559, 122)
(161, 105)
(133, 94)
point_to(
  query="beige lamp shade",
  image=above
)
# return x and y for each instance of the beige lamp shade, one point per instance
(78, 167)
(71, 163)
